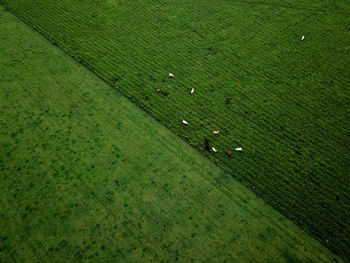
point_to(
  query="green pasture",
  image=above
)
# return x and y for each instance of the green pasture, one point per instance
(289, 107)
(65, 137)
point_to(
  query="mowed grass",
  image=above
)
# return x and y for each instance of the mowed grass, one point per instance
(65, 137)
(289, 106)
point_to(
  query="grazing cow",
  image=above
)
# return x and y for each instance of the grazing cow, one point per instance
(207, 145)
(229, 154)
(302, 38)
(192, 91)
(171, 75)
(214, 150)
(216, 132)
(159, 90)
(184, 122)
(116, 181)
(228, 101)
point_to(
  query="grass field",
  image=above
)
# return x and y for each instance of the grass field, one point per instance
(289, 105)
(65, 136)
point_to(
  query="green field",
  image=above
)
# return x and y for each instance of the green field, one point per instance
(289, 107)
(65, 136)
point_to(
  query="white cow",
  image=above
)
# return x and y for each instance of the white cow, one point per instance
(238, 149)
(171, 75)
(192, 91)
(184, 122)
